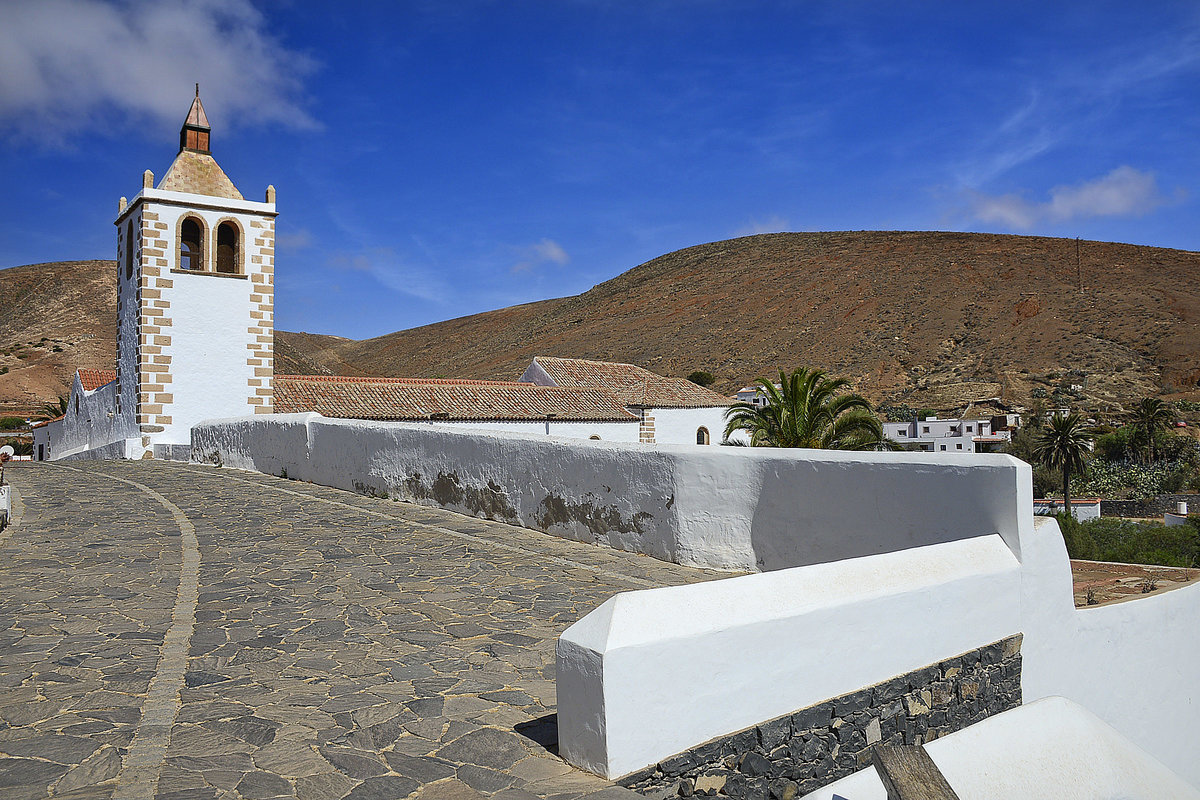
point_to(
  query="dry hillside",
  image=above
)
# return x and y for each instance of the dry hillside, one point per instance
(934, 319)
(54, 318)
(924, 319)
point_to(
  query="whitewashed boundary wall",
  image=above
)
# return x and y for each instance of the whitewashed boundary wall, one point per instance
(668, 669)
(721, 507)
(651, 673)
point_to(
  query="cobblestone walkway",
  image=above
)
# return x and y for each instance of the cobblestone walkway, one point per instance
(189, 633)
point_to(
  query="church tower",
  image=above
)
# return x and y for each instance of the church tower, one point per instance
(195, 299)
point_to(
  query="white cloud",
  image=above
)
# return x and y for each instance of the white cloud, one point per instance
(1124, 192)
(382, 264)
(772, 224)
(547, 251)
(65, 64)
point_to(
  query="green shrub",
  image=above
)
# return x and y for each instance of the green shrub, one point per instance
(1144, 542)
(1076, 536)
(702, 378)
(11, 423)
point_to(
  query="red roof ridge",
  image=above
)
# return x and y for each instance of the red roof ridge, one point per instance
(407, 381)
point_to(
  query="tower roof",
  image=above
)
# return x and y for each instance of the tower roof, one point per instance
(194, 170)
(198, 173)
(196, 117)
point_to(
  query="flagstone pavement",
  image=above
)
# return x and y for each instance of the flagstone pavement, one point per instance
(182, 632)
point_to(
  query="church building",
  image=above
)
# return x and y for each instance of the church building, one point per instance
(195, 334)
(195, 308)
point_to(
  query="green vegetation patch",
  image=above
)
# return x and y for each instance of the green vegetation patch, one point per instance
(1130, 542)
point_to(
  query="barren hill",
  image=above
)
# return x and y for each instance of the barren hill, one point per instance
(935, 319)
(924, 319)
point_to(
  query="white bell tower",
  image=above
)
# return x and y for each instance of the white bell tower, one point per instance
(195, 299)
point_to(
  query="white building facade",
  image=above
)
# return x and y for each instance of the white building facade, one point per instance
(935, 435)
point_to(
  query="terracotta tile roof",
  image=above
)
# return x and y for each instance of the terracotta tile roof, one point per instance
(93, 379)
(198, 173)
(634, 385)
(422, 399)
(413, 381)
(46, 422)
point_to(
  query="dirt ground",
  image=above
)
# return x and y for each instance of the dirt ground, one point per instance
(1115, 583)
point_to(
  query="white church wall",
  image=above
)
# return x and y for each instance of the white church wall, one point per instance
(209, 315)
(193, 344)
(129, 257)
(604, 431)
(90, 421)
(679, 425)
(651, 673)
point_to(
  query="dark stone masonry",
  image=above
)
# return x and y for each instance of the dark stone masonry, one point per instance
(1152, 507)
(801, 752)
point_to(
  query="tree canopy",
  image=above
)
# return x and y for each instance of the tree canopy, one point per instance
(808, 409)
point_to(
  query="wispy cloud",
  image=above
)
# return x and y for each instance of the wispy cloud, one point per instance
(382, 264)
(299, 239)
(65, 64)
(547, 251)
(1124, 192)
(772, 224)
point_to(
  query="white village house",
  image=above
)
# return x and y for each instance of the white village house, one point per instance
(195, 341)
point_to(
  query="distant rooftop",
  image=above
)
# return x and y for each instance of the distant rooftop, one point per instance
(414, 399)
(634, 385)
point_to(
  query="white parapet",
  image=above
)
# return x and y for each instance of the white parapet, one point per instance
(735, 508)
(654, 672)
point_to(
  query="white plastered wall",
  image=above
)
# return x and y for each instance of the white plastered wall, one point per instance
(722, 507)
(605, 431)
(651, 673)
(679, 425)
(1135, 665)
(90, 423)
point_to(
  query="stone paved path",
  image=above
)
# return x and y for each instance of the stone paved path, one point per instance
(184, 633)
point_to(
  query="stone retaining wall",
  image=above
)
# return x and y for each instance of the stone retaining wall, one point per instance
(1153, 507)
(803, 751)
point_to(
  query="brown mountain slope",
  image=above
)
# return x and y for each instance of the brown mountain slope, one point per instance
(929, 319)
(54, 318)
(923, 318)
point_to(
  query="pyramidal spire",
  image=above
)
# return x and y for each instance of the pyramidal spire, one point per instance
(195, 131)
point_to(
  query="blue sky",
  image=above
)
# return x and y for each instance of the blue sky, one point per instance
(440, 158)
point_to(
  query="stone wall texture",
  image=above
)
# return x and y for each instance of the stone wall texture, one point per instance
(1154, 507)
(803, 751)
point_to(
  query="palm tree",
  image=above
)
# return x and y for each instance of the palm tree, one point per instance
(1063, 445)
(1150, 416)
(808, 409)
(53, 410)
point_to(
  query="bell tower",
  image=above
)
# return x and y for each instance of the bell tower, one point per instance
(195, 299)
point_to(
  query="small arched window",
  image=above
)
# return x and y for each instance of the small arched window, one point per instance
(594, 436)
(129, 252)
(702, 436)
(190, 251)
(227, 248)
